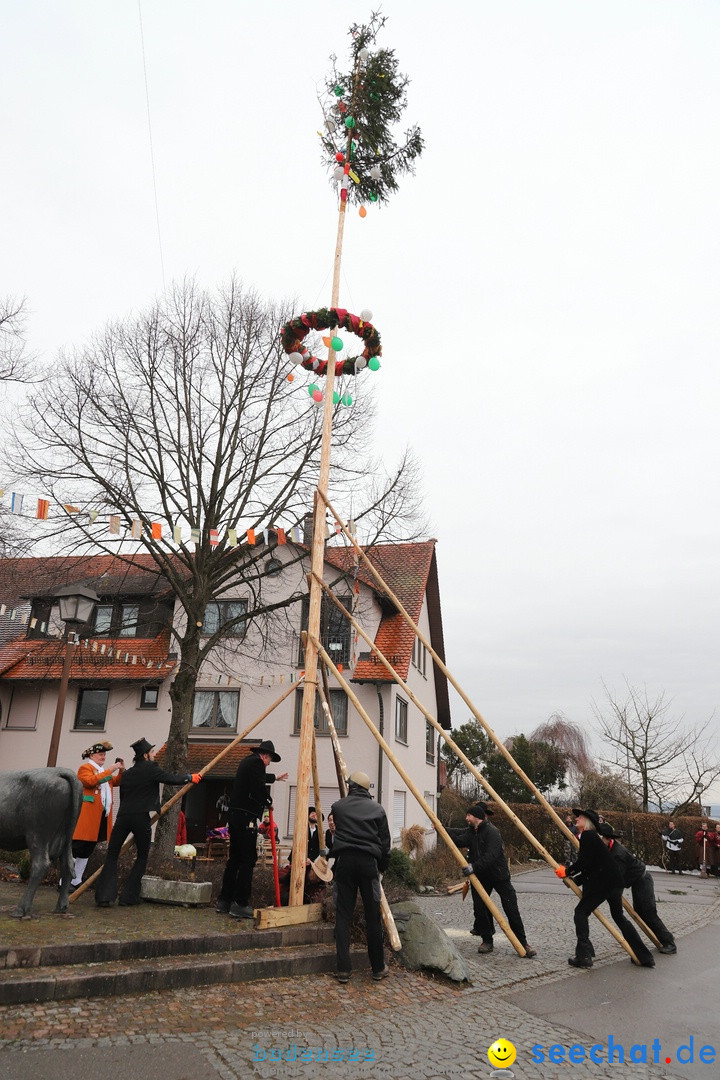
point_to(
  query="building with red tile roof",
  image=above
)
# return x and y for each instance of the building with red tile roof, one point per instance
(123, 666)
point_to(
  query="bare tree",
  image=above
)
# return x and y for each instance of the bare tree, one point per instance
(184, 416)
(569, 737)
(663, 762)
(15, 362)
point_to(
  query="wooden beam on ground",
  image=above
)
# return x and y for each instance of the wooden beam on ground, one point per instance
(266, 918)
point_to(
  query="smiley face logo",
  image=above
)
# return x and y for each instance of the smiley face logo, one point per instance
(501, 1054)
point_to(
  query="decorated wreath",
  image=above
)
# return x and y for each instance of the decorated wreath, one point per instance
(296, 330)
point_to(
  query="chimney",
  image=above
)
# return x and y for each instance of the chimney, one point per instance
(308, 530)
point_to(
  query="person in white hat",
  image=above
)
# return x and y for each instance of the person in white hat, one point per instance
(362, 852)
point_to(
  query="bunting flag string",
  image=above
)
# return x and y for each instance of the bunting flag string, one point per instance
(140, 527)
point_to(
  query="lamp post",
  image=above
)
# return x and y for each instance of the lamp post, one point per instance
(77, 606)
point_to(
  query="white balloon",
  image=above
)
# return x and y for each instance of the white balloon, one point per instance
(366, 315)
(330, 125)
(339, 172)
(376, 172)
(295, 358)
(363, 53)
(360, 363)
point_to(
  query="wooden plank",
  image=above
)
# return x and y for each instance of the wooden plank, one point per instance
(265, 918)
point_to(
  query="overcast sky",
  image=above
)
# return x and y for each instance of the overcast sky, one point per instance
(546, 287)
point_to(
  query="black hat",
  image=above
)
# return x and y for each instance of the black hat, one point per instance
(267, 747)
(606, 829)
(142, 746)
(479, 810)
(591, 815)
(312, 810)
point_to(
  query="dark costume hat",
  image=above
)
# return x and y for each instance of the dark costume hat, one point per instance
(479, 810)
(141, 747)
(589, 814)
(97, 748)
(606, 829)
(267, 747)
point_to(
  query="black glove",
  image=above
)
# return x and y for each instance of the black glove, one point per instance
(467, 870)
(268, 801)
(324, 852)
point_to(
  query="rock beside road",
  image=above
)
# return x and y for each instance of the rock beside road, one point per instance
(425, 945)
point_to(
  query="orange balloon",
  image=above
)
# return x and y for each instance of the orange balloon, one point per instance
(291, 377)
(362, 211)
(327, 341)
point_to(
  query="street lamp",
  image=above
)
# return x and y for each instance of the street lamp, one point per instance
(77, 605)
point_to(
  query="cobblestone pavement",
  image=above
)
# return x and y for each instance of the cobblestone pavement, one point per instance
(410, 1026)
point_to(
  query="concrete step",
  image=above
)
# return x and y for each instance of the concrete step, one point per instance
(107, 951)
(63, 982)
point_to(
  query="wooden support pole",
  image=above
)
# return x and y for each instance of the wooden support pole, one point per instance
(186, 787)
(520, 825)
(476, 714)
(492, 908)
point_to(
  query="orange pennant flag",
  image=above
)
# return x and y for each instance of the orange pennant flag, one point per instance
(156, 530)
(43, 508)
(251, 536)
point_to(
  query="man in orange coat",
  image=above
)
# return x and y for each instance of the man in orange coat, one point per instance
(95, 821)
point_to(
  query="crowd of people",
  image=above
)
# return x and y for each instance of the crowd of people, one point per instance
(354, 851)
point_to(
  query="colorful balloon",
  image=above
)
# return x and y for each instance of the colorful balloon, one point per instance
(336, 344)
(317, 395)
(339, 91)
(347, 399)
(339, 156)
(295, 358)
(349, 121)
(336, 397)
(360, 363)
(373, 196)
(338, 172)
(312, 388)
(366, 315)
(373, 363)
(362, 211)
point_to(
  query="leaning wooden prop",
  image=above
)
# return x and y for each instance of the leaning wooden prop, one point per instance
(39, 809)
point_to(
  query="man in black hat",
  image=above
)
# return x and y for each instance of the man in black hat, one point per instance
(250, 796)
(487, 861)
(139, 797)
(638, 880)
(601, 879)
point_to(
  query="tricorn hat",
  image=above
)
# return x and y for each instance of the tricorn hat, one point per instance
(97, 748)
(142, 746)
(267, 747)
(591, 815)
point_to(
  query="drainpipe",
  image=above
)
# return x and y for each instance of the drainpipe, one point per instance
(381, 729)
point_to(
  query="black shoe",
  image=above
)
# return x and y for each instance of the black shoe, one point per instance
(378, 975)
(668, 950)
(476, 933)
(342, 976)
(580, 961)
(486, 947)
(223, 906)
(239, 912)
(530, 952)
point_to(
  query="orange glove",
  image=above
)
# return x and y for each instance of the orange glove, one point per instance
(560, 871)
(196, 778)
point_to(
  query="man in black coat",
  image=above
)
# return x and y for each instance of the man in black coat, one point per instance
(486, 859)
(362, 852)
(139, 797)
(601, 879)
(638, 880)
(247, 802)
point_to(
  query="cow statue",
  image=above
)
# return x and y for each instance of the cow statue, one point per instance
(38, 811)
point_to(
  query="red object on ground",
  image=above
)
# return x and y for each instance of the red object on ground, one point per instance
(273, 848)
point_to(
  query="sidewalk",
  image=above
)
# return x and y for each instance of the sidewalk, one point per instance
(415, 1027)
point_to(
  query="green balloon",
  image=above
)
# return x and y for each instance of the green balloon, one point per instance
(347, 399)
(336, 344)
(336, 397)
(312, 388)
(339, 91)
(373, 363)
(373, 196)
(349, 122)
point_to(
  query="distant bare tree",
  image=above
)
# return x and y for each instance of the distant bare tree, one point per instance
(663, 762)
(184, 416)
(604, 789)
(569, 737)
(15, 362)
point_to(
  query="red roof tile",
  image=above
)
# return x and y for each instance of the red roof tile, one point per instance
(201, 754)
(43, 659)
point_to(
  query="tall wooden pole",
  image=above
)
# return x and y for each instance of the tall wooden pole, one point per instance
(307, 722)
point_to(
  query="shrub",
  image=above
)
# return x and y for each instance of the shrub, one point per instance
(400, 868)
(437, 868)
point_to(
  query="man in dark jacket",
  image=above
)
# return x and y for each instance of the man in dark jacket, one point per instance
(362, 851)
(673, 840)
(486, 859)
(601, 879)
(139, 797)
(638, 880)
(247, 802)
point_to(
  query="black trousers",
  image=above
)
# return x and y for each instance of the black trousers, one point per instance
(357, 870)
(237, 879)
(137, 824)
(484, 924)
(591, 900)
(643, 899)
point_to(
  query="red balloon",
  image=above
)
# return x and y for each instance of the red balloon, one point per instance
(339, 156)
